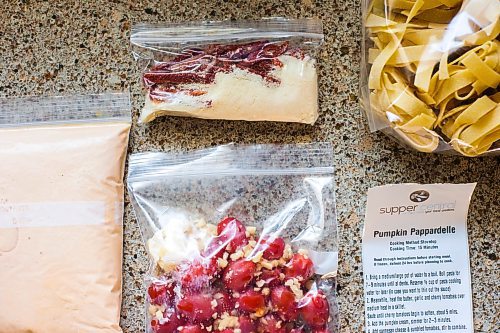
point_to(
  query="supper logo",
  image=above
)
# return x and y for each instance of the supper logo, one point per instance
(418, 196)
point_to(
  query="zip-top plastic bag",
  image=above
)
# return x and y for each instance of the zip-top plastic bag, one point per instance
(242, 238)
(62, 162)
(261, 70)
(431, 71)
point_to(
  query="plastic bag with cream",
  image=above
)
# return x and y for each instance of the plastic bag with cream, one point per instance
(241, 238)
(431, 72)
(236, 70)
(61, 205)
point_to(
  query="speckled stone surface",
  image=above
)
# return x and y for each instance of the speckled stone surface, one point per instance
(56, 47)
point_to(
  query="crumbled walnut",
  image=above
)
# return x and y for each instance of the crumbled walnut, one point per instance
(294, 285)
(266, 291)
(257, 257)
(288, 252)
(227, 322)
(251, 230)
(266, 264)
(260, 283)
(247, 250)
(260, 312)
(222, 263)
(237, 255)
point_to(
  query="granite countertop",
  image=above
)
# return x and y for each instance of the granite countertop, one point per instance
(56, 47)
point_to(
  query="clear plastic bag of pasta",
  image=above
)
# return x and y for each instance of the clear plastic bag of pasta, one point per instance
(241, 238)
(431, 72)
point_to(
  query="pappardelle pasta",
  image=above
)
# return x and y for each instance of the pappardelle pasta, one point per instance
(435, 70)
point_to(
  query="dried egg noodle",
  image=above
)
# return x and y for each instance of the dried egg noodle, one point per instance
(419, 84)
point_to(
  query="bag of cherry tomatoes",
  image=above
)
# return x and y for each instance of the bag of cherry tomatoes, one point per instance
(242, 238)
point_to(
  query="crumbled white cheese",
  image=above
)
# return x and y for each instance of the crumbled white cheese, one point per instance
(178, 240)
(304, 252)
(159, 315)
(152, 309)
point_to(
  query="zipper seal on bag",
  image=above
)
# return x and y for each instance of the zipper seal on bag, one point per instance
(231, 159)
(177, 34)
(25, 111)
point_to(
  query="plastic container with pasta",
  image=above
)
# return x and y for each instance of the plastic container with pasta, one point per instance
(431, 72)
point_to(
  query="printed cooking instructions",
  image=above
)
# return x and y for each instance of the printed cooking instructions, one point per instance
(416, 259)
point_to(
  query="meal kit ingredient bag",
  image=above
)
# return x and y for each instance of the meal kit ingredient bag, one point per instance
(431, 73)
(61, 203)
(235, 70)
(242, 238)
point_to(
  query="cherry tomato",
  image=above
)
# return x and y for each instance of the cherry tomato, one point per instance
(251, 301)
(238, 274)
(314, 309)
(299, 267)
(283, 300)
(273, 248)
(197, 308)
(231, 228)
